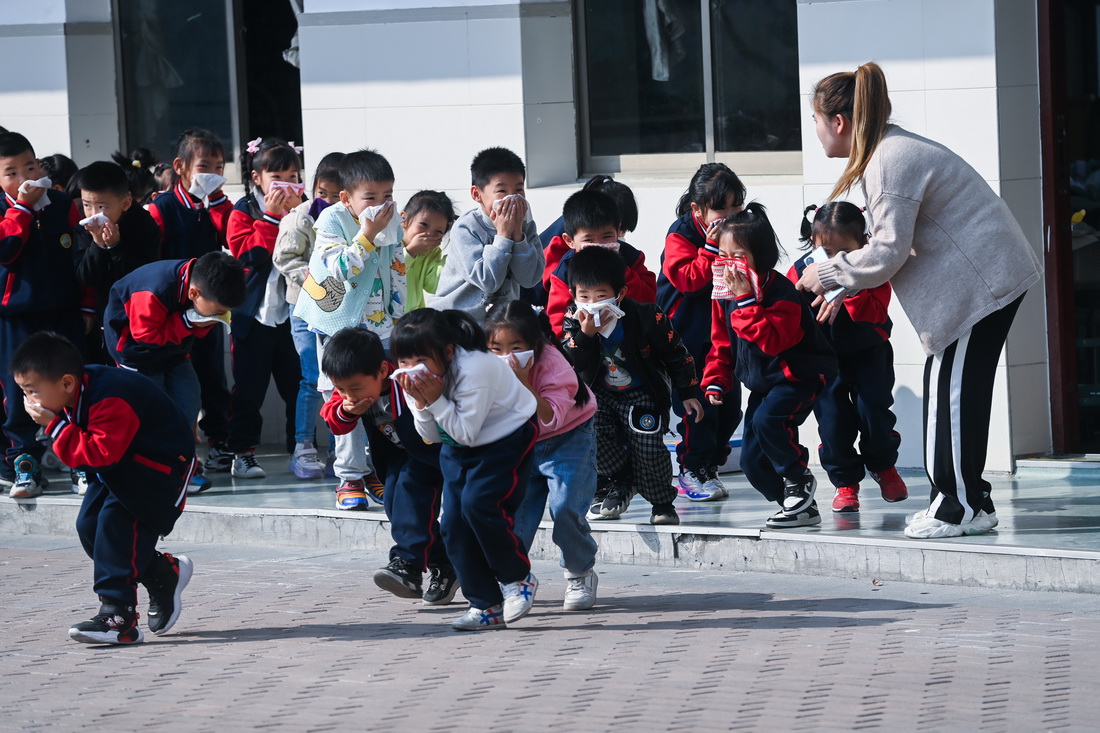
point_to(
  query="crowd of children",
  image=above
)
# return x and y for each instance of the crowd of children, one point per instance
(471, 373)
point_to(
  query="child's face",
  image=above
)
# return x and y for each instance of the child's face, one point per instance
(263, 179)
(597, 293)
(53, 395)
(499, 186)
(426, 228)
(205, 306)
(15, 169)
(599, 235)
(730, 247)
(368, 193)
(328, 191)
(709, 216)
(435, 364)
(362, 386)
(105, 202)
(504, 341)
(833, 242)
(204, 161)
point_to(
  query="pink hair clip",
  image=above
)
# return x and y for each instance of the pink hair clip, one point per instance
(296, 148)
(254, 146)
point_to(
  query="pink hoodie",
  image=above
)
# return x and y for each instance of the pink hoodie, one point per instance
(554, 379)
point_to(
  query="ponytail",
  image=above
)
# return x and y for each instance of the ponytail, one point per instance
(863, 98)
(805, 232)
(463, 330)
(836, 217)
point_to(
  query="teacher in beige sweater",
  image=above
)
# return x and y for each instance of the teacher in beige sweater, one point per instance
(960, 266)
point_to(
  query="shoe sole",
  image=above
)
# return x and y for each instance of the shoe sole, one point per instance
(109, 637)
(187, 569)
(493, 627)
(24, 495)
(241, 475)
(811, 523)
(357, 507)
(445, 600)
(846, 510)
(376, 500)
(387, 581)
(664, 521)
(895, 501)
(308, 477)
(566, 606)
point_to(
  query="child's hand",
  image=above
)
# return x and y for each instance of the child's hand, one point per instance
(693, 407)
(507, 218)
(737, 282)
(359, 407)
(714, 398)
(523, 373)
(587, 321)
(31, 197)
(371, 229)
(276, 201)
(520, 206)
(406, 383)
(105, 236)
(828, 311)
(430, 386)
(38, 413)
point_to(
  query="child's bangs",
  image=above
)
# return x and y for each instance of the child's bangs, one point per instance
(721, 188)
(411, 341)
(280, 158)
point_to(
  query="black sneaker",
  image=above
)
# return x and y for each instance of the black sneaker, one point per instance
(442, 586)
(616, 502)
(805, 518)
(165, 586)
(399, 578)
(597, 502)
(219, 459)
(664, 514)
(114, 624)
(798, 493)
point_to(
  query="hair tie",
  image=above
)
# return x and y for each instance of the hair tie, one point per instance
(296, 148)
(863, 208)
(538, 309)
(608, 180)
(136, 163)
(254, 146)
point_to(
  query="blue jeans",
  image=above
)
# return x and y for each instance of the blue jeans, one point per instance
(181, 384)
(563, 475)
(309, 399)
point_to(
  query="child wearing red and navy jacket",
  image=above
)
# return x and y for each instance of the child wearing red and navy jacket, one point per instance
(38, 291)
(356, 363)
(855, 405)
(193, 216)
(766, 337)
(263, 346)
(138, 452)
(683, 292)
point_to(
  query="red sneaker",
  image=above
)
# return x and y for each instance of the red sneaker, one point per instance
(890, 484)
(846, 499)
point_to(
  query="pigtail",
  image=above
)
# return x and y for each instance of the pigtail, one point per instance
(267, 154)
(462, 330)
(807, 229)
(139, 167)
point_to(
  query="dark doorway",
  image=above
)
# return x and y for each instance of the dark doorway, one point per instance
(271, 87)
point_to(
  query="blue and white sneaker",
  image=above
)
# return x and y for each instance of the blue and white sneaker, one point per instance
(199, 484)
(475, 619)
(519, 597)
(696, 486)
(29, 481)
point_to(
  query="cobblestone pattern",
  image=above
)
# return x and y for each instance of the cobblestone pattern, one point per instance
(304, 641)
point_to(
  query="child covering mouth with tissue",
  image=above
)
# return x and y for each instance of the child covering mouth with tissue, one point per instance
(628, 353)
(564, 469)
(494, 249)
(356, 279)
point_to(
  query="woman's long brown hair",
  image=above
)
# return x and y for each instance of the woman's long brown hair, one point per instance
(861, 97)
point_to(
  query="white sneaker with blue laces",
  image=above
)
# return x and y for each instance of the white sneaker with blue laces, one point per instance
(476, 619)
(519, 597)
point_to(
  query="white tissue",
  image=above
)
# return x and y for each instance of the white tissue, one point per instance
(46, 183)
(523, 358)
(613, 246)
(204, 184)
(290, 187)
(95, 220)
(605, 309)
(411, 371)
(372, 212)
(198, 319)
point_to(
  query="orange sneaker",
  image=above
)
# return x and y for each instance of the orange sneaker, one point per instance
(351, 495)
(846, 499)
(374, 486)
(890, 484)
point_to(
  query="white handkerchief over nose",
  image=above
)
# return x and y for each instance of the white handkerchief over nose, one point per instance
(523, 358)
(372, 212)
(94, 220)
(411, 371)
(45, 183)
(204, 184)
(606, 314)
(500, 202)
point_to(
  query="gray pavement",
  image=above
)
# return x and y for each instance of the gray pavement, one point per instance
(302, 640)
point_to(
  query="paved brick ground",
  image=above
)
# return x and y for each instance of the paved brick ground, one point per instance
(303, 641)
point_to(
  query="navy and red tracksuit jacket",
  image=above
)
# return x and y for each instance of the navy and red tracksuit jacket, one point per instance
(189, 229)
(251, 236)
(38, 260)
(397, 424)
(686, 280)
(862, 323)
(144, 324)
(125, 432)
(765, 343)
(641, 284)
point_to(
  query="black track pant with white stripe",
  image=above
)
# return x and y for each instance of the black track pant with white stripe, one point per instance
(958, 399)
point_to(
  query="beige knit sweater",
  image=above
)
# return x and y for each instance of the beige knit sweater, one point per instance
(947, 243)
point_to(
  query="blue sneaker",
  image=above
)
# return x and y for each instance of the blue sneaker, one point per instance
(696, 486)
(199, 484)
(29, 482)
(351, 495)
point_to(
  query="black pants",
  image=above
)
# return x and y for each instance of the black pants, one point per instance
(413, 498)
(706, 443)
(208, 357)
(121, 546)
(482, 487)
(630, 444)
(260, 353)
(958, 399)
(770, 451)
(854, 411)
(19, 430)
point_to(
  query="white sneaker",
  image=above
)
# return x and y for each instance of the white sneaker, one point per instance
(580, 592)
(79, 482)
(519, 597)
(245, 466)
(475, 619)
(981, 523)
(929, 528)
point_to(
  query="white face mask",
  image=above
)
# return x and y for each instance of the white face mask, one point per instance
(613, 246)
(204, 184)
(523, 358)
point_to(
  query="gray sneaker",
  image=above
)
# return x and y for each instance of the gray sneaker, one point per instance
(616, 502)
(580, 592)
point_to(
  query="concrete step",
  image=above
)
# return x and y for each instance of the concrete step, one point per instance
(729, 548)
